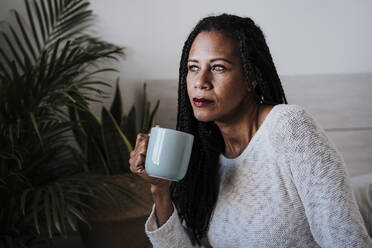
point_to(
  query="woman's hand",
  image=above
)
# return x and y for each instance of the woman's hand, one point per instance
(137, 165)
(159, 187)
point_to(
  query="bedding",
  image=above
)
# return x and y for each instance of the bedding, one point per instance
(362, 187)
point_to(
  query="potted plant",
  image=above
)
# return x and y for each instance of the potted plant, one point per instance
(105, 145)
(48, 62)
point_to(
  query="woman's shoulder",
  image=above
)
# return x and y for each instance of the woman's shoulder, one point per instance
(285, 114)
(289, 110)
(292, 120)
(293, 127)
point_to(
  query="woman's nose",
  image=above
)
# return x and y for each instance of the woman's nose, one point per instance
(203, 81)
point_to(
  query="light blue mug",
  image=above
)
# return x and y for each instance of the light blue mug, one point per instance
(168, 153)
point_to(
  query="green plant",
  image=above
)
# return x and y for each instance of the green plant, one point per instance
(105, 144)
(48, 62)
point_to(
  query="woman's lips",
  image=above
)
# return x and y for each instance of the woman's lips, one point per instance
(201, 102)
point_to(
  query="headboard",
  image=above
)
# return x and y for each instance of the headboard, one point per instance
(342, 104)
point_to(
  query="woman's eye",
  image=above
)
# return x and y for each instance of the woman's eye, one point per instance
(218, 68)
(193, 68)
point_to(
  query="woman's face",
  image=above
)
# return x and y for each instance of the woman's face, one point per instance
(216, 85)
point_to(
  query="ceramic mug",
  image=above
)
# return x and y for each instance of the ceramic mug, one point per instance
(168, 153)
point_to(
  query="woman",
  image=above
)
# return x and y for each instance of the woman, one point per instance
(262, 173)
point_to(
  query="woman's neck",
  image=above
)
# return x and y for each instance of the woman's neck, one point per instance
(236, 132)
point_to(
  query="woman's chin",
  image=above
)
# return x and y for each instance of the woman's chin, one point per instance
(203, 117)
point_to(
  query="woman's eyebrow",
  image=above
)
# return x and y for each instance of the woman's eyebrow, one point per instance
(212, 60)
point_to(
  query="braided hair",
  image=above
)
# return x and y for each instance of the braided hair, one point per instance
(196, 194)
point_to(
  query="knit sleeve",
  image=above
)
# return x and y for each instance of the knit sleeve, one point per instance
(318, 171)
(172, 234)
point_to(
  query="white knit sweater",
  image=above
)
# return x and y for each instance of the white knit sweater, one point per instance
(288, 188)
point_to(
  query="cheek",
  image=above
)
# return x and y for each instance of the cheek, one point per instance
(230, 97)
(226, 94)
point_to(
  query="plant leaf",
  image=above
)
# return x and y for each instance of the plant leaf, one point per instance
(5, 72)
(20, 45)
(117, 105)
(24, 34)
(13, 50)
(96, 160)
(153, 114)
(145, 111)
(36, 127)
(118, 146)
(77, 213)
(52, 61)
(45, 16)
(62, 210)
(129, 126)
(35, 209)
(47, 214)
(41, 23)
(91, 124)
(32, 22)
(63, 55)
(70, 221)
(79, 133)
(55, 208)
(51, 13)
(23, 200)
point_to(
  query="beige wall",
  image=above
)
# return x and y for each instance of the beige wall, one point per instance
(305, 37)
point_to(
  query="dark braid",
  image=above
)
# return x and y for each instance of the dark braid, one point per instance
(195, 196)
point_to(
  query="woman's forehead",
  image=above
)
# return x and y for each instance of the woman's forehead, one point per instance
(213, 43)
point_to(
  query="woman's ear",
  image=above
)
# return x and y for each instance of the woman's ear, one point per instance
(254, 76)
(254, 83)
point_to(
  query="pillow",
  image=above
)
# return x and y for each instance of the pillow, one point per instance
(362, 187)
